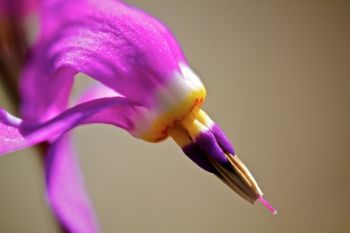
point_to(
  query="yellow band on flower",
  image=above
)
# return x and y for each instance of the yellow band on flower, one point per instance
(190, 128)
(181, 97)
(180, 136)
(159, 129)
(205, 119)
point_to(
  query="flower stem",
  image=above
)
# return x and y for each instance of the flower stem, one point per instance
(9, 83)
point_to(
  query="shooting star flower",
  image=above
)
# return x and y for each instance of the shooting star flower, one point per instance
(144, 86)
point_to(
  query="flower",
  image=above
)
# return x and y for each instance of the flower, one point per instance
(144, 86)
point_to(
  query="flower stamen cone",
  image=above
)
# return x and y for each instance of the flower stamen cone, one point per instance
(215, 154)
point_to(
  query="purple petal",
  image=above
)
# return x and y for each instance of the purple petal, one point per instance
(120, 46)
(16, 135)
(65, 189)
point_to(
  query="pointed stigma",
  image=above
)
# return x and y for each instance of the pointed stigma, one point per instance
(267, 205)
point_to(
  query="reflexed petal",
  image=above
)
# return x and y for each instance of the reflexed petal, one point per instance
(111, 115)
(65, 189)
(10, 135)
(16, 135)
(120, 46)
(96, 91)
(44, 95)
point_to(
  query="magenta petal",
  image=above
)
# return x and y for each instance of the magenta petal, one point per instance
(17, 8)
(16, 135)
(65, 189)
(10, 135)
(44, 94)
(118, 45)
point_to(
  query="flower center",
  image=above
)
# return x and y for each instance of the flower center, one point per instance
(181, 97)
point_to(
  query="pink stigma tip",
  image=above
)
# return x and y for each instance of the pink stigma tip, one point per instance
(267, 205)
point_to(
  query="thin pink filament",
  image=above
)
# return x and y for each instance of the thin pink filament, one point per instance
(267, 205)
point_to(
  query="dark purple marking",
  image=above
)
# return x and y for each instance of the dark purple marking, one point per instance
(207, 142)
(199, 157)
(222, 140)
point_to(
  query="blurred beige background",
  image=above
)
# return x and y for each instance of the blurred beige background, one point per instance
(278, 81)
